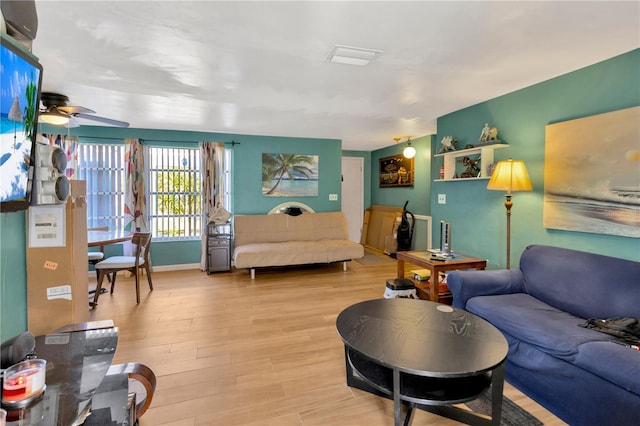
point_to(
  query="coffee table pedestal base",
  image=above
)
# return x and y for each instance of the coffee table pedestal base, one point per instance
(435, 395)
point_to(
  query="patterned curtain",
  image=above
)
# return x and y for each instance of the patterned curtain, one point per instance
(69, 144)
(211, 155)
(135, 210)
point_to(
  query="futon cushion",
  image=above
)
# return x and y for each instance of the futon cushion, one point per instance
(295, 253)
(526, 318)
(275, 228)
(613, 362)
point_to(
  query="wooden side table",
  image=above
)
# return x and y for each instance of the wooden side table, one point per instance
(423, 259)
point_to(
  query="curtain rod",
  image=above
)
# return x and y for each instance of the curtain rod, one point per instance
(232, 143)
(99, 137)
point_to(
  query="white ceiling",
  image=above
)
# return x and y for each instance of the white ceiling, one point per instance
(260, 67)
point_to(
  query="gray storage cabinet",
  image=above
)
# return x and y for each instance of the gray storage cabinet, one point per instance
(219, 246)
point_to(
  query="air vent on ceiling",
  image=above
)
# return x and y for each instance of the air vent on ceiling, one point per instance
(352, 55)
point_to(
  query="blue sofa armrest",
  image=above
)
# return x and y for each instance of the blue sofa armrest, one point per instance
(467, 284)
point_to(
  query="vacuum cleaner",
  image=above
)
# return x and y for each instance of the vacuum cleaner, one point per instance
(405, 230)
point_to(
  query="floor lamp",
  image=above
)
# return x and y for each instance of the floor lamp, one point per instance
(510, 176)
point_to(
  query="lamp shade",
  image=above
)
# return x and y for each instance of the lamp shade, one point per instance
(510, 175)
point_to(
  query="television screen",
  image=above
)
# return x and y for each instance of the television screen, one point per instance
(21, 79)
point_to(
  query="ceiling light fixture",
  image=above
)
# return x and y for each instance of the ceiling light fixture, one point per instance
(55, 117)
(409, 151)
(350, 55)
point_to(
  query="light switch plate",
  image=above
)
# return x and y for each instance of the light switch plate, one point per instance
(442, 198)
(333, 197)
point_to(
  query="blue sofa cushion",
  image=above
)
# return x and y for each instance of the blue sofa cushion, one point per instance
(587, 285)
(526, 318)
(612, 362)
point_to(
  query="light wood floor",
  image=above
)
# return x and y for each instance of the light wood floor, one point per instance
(231, 351)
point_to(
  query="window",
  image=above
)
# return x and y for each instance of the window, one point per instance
(102, 167)
(175, 200)
(173, 188)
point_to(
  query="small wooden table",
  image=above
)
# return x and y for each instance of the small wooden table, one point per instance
(423, 258)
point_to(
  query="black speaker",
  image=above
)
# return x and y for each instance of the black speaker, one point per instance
(21, 18)
(50, 184)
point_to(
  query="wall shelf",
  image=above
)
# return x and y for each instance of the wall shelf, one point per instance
(484, 153)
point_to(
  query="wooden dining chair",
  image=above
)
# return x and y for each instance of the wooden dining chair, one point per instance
(97, 256)
(134, 264)
(142, 381)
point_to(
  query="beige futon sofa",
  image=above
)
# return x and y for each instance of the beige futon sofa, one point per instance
(282, 240)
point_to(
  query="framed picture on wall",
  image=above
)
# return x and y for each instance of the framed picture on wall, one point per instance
(396, 171)
(591, 179)
(289, 175)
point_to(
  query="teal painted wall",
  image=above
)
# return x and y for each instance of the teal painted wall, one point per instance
(248, 198)
(418, 195)
(13, 275)
(478, 215)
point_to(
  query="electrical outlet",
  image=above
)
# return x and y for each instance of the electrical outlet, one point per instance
(333, 197)
(442, 198)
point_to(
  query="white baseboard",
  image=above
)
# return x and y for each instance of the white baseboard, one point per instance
(165, 268)
(162, 268)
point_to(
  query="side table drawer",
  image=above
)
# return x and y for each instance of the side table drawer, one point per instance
(217, 242)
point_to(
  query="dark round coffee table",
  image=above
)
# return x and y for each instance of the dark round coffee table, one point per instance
(423, 355)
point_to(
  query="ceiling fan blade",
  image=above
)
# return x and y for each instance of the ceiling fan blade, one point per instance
(73, 123)
(76, 110)
(101, 119)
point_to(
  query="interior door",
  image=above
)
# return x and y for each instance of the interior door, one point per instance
(353, 194)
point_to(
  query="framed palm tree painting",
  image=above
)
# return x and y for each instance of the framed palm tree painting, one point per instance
(289, 175)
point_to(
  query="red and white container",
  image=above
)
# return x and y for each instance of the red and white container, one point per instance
(23, 382)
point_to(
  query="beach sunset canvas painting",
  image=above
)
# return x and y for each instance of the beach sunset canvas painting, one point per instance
(592, 174)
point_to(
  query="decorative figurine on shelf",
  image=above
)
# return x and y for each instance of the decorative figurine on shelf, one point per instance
(448, 144)
(488, 134)
(472, 167)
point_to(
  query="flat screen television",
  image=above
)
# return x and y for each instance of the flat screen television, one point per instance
(21, 81)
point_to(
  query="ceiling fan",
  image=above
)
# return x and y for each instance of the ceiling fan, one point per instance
(56, 111)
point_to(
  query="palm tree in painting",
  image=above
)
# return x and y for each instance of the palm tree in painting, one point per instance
(281, 165)
(30, 109)
(269, 164)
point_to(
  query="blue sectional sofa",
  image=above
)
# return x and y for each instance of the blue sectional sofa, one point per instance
(577, 373)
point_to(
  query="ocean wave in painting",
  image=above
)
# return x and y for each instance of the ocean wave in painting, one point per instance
(604, 209)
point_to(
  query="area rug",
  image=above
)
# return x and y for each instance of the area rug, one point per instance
(512, 414)
(375, 258)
